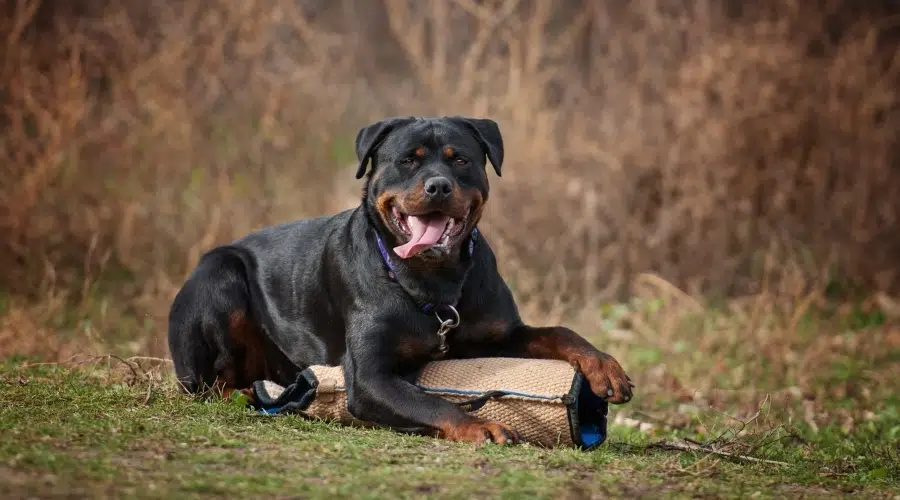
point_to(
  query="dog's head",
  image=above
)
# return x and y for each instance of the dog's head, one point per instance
(428, 184)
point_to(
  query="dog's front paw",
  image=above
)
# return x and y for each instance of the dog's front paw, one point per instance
(606, 377)
(477, 430)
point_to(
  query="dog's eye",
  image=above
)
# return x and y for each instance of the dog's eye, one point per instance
(460, 161)
(408, 162)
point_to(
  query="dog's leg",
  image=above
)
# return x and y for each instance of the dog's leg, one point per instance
(376, 394)
(604, 374)
(214, 342)
(393, 402)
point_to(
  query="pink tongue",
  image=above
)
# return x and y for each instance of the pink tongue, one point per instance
(425, 233)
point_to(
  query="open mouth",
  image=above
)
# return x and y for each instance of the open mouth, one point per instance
(422, 232)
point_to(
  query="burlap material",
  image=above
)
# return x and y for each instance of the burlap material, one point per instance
(331, 396)
(538, 400)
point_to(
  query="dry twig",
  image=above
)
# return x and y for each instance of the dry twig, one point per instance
(149, 392)
(686, 446)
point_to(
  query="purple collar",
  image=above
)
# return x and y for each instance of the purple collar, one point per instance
(390, 266)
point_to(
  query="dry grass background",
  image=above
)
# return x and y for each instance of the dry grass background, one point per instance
(736, 152)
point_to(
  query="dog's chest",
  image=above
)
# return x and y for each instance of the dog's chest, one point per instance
(432, 341)
(421, 342)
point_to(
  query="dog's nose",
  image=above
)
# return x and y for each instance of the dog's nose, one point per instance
(438, 187)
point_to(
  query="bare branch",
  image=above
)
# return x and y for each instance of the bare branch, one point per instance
(685, 446)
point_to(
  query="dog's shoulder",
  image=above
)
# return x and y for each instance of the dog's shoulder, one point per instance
(485, 290)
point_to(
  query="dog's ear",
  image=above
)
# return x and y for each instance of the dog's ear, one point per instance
(488, 134)
(369, 138)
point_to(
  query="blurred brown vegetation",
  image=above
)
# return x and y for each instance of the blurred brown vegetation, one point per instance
(706, 142)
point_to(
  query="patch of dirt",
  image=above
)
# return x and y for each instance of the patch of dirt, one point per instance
(17, 483)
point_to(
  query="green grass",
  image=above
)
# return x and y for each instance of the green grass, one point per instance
(84, 433)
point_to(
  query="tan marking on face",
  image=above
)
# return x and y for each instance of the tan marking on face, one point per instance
(384, 203)
(472, 200)
(413, 200)
(449, 152)
(420, 151)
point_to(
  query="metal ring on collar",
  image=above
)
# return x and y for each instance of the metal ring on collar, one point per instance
(450, 322)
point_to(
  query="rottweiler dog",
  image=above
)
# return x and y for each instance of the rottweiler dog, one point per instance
(403, 279)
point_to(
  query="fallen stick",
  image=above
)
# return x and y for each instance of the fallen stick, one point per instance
(686, 447)
(149, 392)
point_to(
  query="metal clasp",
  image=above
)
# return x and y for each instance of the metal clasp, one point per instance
(446, 326)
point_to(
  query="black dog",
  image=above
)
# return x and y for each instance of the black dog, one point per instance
(377, 289)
